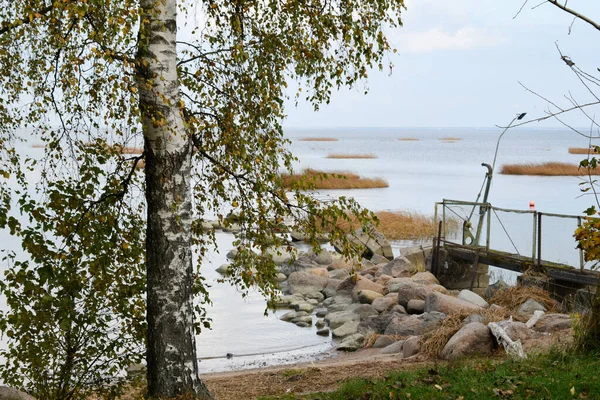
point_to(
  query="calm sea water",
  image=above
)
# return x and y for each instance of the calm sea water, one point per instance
(420, 173)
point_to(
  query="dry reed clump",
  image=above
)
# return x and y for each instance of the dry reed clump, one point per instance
(547, 169)
(582, 150)
(318, 139)
(401, 225)
(433, 343)
(127, 150)
(513, 297)
(450, 139)
(334, 180)
(38, 146)
(409, 139)
(358, 156)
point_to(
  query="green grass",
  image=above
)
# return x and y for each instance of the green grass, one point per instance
(551, 376)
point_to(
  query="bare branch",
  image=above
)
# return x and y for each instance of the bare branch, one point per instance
(575, 13)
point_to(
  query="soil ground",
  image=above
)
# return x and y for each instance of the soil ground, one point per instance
(320, 376)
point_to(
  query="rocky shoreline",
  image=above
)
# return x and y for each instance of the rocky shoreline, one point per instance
(394, 304)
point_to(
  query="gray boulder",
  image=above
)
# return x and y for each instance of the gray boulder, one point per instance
(352, 342)
(323, 332)
(339, 274)
(347, 329)
(518, 331)
(527, 308)
(553, 323)
(393, 348)
(371, 241)
(415, 306)
(398, 267)
(383, 341)
(472, 297)
(385, 303)
(292, 315)
(7, 393)
(304, 283)
(473, 338)
(425, 277)
(331, 288)
(376, 323)
(447, 304)
(337, 319)
(412, 290)
(368, 296)
(491, 290)
(412, 346)
(363, 310)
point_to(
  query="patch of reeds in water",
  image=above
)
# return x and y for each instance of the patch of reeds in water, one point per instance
(401, 225)
(547, 169)
(450, 139)
(318, 139)
(582, 150)
(334, 180)
(409, 139)
(350, 156)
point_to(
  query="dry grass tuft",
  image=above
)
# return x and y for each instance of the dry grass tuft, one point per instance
(547, 169)
(334, 180)
(400, 225)
(409, 139)
(318, 139)
(433, 343)
(450, 139)
(336, 155)
(582, 150)
(372, 337)
(513, 297)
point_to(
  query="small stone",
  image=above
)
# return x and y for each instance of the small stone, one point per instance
(473, 318)
(305, 307)
(292, 315)
(323, 332)
(425, 277)
(383, 304)
(321, 312)
(383, 341)
(315, 296)
(473, 338)
(368, 296)
(347, 329)
(306, 318)
(491, 290)
(529, 307)
(280, 277)
(415, 306)
(320, 324)
(224, 269)
(352, 342)
(302, 324)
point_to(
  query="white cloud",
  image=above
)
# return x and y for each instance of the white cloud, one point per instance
(437, 39)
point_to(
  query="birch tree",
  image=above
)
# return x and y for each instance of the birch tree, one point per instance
(89, 78)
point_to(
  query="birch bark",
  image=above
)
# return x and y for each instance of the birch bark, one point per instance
(171, 354)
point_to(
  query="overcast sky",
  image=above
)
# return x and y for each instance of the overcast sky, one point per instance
(459, 64)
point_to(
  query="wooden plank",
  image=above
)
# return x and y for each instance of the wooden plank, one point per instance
(574, 276)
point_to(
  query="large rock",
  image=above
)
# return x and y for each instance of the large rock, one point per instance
(393, 348)
(368, 296)
(7, 393)
(319, 272)
(473, 338)
(491, 290)
(553, 323)
(331, 288)
(337, 319)
(415, 306)
(383, 341)
(472, 297)
(385, 303)
(426, 278)
(412, 325)
(282, 255)
(352, 342)
(412, 290)
(518, 331)
(347, 329)
(412, 346)
(447, 304)
(376, 323)
(371, 241)
(293, 315)
(339, 274)
(527, 308)
(363, 310)
(366, 284)
(399, 267)
(304, 283)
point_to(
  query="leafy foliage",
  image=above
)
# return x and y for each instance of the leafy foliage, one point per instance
(70, 75)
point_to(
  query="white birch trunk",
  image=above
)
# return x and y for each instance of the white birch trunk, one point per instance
(171, 354)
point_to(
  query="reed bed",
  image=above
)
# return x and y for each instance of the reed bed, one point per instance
(401, 225)
(450, 139)
(334, 180)
(38, 146)
(350, 156)
(409, 139)
(547, 169)
(582, 150)
(128, 150)
(513, 297)
(318, 139)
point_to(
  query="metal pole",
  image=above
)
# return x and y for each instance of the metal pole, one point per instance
(539, 241)
(533, 245)
(581, 262)
(489, 231)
